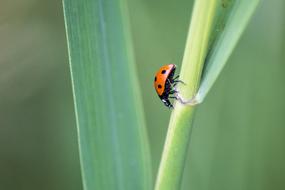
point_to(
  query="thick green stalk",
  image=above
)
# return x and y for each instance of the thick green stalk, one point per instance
(178, 135)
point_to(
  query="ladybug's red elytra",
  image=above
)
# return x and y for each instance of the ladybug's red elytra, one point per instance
(164, 83)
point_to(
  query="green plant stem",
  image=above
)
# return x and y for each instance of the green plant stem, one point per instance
(178, 135)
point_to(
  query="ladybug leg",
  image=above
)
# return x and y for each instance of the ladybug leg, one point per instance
(176, 77)
(172, 83)
(176, 81)
(173, 97)
(174, 91)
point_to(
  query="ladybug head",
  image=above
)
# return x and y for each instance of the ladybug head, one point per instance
(167, 103)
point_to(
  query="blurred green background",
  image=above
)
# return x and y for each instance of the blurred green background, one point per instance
(238, 138)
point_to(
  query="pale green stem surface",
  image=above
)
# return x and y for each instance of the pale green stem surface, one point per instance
(178, 135)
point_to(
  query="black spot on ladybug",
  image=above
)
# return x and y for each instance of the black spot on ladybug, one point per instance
(159, 86)
(155, 79)
(163, 71)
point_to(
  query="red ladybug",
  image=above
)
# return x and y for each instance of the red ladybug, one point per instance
(165, 82)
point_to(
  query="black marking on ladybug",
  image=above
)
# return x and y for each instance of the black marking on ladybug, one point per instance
(163, 71)
(155, 78)
(159, 86)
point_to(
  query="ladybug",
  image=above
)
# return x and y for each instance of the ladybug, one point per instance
(165, 82)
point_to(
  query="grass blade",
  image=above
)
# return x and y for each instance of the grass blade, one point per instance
(234, 19)
(113, 145)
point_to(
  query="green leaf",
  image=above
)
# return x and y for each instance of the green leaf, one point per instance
(113, 143)
(233, 18)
